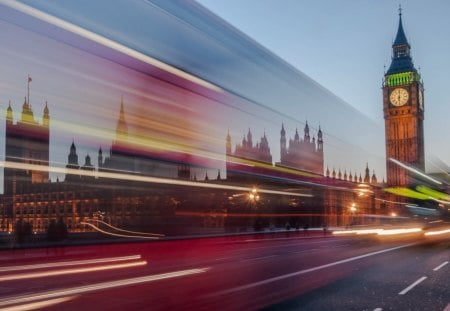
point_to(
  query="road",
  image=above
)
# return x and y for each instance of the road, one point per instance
(279, 271)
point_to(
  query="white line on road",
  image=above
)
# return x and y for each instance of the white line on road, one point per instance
(440, 266)
(260, 258)
(377, 309)
(403, 292)
(285, 276)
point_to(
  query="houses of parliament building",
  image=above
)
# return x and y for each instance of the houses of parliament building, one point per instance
(31, 196)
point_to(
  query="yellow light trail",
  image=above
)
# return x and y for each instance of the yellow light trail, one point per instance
(378, 231)
(147, 179)
(438, 232)
(399, 231)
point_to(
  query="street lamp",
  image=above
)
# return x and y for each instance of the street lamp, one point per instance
(353, 210)
(253, 195)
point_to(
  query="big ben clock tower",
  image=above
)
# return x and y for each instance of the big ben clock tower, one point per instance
(403, 106)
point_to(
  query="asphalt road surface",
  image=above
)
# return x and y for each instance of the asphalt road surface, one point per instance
(275, 272)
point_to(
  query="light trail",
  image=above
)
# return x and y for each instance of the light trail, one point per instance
(34, 275)
(38, 305)
(416, 171)
(123, 230)
(117, 234)
(69, 263)
(399, 231)
(140, 178)
(437, 232)
(378, 231)
(84, 33)
(96, 287)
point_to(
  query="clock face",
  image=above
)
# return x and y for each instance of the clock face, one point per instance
(399, 97)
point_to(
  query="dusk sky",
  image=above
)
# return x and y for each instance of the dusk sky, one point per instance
(344, 45)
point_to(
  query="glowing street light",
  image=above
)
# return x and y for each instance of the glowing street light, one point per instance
(253, 195)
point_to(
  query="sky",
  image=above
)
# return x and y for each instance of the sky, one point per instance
(344, 46)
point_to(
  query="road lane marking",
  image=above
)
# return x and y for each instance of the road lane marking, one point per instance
(95, 287)
(289, 275)
(403, 292)
(260, 258)
(69, 263)
(440, 266)
(377, 309)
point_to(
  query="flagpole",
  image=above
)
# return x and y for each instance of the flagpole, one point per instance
(28, 91)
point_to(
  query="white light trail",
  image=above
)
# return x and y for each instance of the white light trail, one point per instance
(69, 263)
(37, 305)
(117, 234)
(95, 287)
(128, 231)
(34, 275)
(84, 33)
(416, 171)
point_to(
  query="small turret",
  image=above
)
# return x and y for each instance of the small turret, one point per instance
(249, 139)
(9, 114)
(283, 147)
(307, 138)
(228, 143)
(374, 178)
(46, 116)
(73, 157)
(319, 140)
(367, 174)
(100, 157)
(27, 113)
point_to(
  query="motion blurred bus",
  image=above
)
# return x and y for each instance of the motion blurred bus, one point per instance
(160, 117)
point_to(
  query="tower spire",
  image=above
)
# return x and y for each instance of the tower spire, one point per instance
(401, 57)
(122, 127)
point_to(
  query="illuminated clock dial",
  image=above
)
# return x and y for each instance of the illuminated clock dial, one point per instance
(399, 97)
